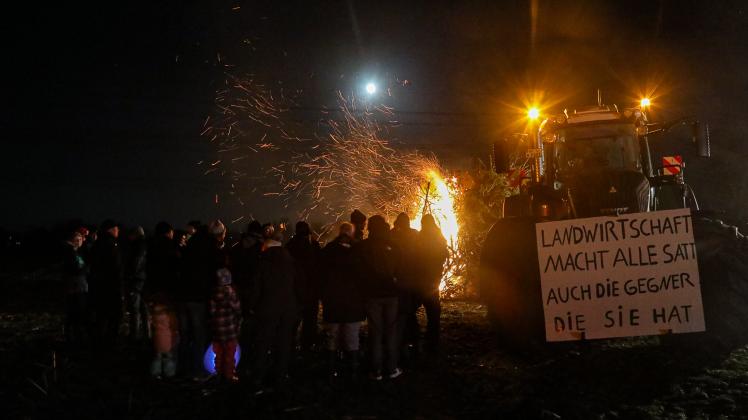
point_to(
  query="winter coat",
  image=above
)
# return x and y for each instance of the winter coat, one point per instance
(273, 290)
(225, 313)
(165, 328)
(203, 256)
(105, 282)
(433, 252)
(342, 297)
(305, 252)
(378, 260)
(74, 271)
(408, 244)
(245, 257)
(135, 268)
(162, 266)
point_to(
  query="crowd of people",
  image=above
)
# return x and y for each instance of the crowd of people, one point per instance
(189, 292)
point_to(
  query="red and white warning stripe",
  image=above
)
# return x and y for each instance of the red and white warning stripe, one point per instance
(672, 165)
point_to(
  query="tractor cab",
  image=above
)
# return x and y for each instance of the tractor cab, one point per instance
(594, 162)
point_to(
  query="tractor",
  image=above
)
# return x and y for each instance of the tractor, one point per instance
(596, 161)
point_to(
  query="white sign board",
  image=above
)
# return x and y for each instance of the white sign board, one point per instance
(635, 274)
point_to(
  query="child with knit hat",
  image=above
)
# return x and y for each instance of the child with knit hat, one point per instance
(225, 314)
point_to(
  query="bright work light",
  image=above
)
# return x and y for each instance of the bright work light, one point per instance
(533, 113)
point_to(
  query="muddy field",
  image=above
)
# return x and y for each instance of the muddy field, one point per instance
(474, 376)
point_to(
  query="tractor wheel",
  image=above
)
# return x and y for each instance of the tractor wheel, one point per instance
(723, 271)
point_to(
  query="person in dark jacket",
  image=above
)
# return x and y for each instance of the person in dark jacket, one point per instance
(192, 228)
(358, 220)
(273, 303)
(135, 278)
(162, 264)
(268, 232)
(433, 253)
(244, 259)
(406, 239)
(89, 238)
(105, 285)
(74, 271)
(204, 255)
(379, 260)
(342, 298)
(305, 251)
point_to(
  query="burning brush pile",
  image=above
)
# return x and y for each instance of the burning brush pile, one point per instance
(345, 163)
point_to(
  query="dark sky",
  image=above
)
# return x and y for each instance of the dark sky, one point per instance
(107, 101)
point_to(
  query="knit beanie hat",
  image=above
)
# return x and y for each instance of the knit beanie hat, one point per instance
(357, 217)
(216, 227)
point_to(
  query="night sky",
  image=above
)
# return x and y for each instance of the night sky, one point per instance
(107, 101)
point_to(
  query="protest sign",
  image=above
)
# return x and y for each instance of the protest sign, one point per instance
(635, 274)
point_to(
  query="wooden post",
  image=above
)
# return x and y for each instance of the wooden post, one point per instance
(426, 199)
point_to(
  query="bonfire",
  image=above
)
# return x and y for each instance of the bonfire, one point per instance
(348, 163)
